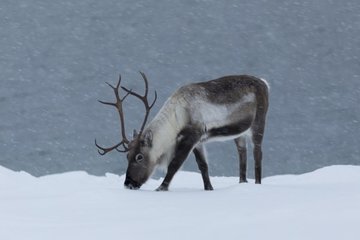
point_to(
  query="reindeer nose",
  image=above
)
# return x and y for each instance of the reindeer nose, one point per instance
(131, 184)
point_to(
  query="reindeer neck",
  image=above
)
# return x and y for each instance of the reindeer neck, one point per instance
(165, 127)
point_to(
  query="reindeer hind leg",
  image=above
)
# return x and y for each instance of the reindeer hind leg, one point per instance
(241, 148)
(257, 137)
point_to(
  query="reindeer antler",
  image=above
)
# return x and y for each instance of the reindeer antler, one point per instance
(144, 99)
(118, 105)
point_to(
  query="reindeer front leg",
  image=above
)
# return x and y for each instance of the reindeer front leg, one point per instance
(186, 141)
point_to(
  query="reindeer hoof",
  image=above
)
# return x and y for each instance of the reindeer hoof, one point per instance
(243, 181)
(162, 189)
(208, 188)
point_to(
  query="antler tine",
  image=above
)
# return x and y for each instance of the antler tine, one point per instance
(118, 105)
(144, 99)
(102, 151)
(146, 82)
(155, 98)
(116, 91)
(117, 85)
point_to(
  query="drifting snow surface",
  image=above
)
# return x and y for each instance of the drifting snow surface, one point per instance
(324, 204)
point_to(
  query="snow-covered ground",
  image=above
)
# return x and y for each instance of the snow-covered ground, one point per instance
(324, 204)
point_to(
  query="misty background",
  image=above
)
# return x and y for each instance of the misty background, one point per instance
(55, 57)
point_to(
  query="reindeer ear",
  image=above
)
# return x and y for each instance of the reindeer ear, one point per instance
(148, 137)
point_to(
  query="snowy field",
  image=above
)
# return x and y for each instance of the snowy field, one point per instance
(324, 204)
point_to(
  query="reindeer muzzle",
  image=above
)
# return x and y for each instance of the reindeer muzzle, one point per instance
(131, 184)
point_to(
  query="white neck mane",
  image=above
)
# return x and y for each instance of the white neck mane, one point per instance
(165, 127)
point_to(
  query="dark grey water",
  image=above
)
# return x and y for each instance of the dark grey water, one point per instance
(56, 55)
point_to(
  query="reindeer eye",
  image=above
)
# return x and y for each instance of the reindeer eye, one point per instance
(139, 157)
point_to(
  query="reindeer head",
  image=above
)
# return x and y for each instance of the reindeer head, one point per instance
(140, 166)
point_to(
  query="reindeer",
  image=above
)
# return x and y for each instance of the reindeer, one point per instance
(231, 107)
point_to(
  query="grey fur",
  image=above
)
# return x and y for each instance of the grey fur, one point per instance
(224, 108)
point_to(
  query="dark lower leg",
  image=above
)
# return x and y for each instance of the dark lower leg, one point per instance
(188, 137)
(258, 160)
(241, 148)
(201, 161)
(172, 169)
(243, 165)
